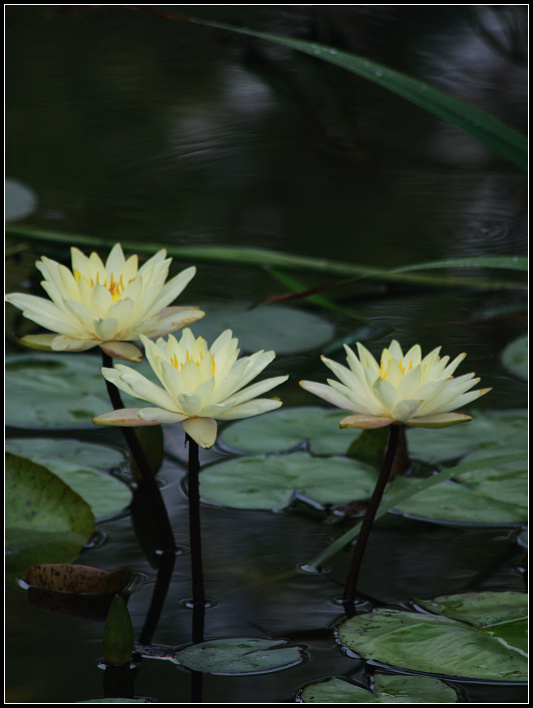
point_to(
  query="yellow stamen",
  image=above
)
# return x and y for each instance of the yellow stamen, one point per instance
(116, 288)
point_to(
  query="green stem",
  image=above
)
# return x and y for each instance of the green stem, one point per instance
(195, 541)
(368, 519)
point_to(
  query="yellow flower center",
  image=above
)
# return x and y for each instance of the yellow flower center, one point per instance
(195, 359)
(384, 365)
(116, 288)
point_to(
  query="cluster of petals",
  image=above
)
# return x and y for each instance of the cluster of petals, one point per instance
(107, 305)
(200, 385)
(400, 389)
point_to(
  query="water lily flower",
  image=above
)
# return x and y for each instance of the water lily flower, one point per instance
(107, 305)
(200, 385)
(401, 389)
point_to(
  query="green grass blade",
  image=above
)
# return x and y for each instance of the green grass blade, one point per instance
(508, 142)
(260, 257)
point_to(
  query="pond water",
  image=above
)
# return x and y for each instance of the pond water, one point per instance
(127, 126)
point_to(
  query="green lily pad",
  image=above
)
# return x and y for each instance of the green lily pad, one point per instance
(386, 689)
(57, 390)
(515, 357)
(476, 646)
(240, 656)
(80, 465)
(487, 488)
(487, 429)
(270, 482)
(286, 428)
(46, 521)
(286, 330)
(54, 390)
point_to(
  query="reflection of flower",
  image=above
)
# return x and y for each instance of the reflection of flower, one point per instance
(400, 389)
(106, 305)
(201, 385)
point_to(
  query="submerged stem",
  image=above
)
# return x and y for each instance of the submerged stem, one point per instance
(148, 480)
(368, 519)
(195, 540)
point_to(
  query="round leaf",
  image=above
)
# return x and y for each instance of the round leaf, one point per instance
(240, 656)
(79, 465)
(515, 357)
(437, 644)
(285, 428)
(456, 503)
(46, 521)
(78, 579)
(270, 482)
(57, 390)
(487, 429)
(286, 330)
(387, 689)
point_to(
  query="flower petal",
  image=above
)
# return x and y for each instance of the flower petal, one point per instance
(122, 350)
(122, 417)
(202, 430)
(439, 420)
(366, 422)
(328, 394)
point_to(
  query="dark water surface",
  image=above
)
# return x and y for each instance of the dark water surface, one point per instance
(131, 127)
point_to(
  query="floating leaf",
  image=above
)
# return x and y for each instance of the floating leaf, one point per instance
(490, 487)
(285, 428)
(46, 521)
(515, 357)
(386, 689)
(78, 579)
(19, 200)
(286, 330)
(270, 482)
(240, 656)
(487, 429)
(56, 390)
(438, 644)
(457, 503)
(79, 465)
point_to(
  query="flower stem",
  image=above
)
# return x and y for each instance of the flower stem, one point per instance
(148, 479)
(360, 545)
(195, 540)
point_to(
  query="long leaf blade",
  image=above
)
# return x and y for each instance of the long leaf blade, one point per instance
(503, 139)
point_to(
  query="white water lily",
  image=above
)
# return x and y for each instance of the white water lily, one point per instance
(401, 389)
(107, 305)
(200, 385)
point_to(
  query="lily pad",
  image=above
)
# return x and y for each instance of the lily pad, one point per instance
(74, 578)
(487, 429)
(286, 428)
(241, 656)
(515, 357)
(57, 390)
(46, 521)
(54, 390)
(476, 646)
(386, 689)
(486, 488)
(286, 330)
(80, 465)
(271, 482)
